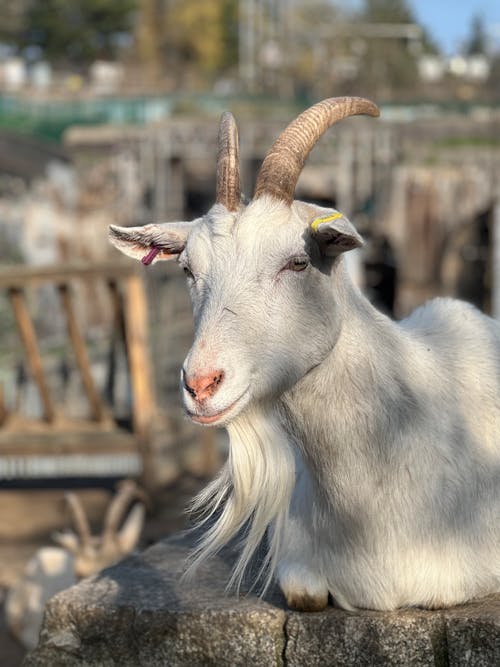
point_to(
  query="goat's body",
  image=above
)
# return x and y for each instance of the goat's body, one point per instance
(398, 499)
(371, 448)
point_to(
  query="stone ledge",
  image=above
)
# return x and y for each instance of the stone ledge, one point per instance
(137, 614)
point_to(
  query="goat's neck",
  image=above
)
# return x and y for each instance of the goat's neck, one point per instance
(336, 411)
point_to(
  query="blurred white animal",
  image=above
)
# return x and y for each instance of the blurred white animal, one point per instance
(52, 569)
(370, 448)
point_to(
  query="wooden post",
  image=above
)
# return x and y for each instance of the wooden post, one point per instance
(495, 287)
(136, 319)
(3, 408)
(28, 337)
(99, 412)
(141, 377)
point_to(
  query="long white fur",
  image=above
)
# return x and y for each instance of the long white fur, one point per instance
(253, 489)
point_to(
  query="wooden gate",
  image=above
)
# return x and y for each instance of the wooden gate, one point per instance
(54, 445)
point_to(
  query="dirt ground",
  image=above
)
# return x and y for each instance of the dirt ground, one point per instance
(168, 516)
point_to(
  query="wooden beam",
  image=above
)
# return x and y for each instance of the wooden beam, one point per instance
(28, 337)
(136, 320)
(99, 411)
(19, 277)
(68, 440)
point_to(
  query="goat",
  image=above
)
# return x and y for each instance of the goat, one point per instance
(52, 569)
(369, 450)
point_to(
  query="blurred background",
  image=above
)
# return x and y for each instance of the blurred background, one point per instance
(108, 115)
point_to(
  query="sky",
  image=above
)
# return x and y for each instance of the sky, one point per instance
(448, 21)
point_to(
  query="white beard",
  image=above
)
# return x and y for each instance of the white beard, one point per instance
(252, 491)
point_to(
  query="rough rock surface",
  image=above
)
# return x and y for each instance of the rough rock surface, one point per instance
(138, 614)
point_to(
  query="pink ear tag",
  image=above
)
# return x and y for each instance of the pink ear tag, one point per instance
(147, 259)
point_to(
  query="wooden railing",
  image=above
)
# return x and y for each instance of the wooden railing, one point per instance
(53, 432)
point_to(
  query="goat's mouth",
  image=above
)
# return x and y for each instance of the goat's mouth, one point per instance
(223, 416)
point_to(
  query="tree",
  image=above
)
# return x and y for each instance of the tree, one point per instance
(317, 44)
(187, 37)
(388, 65)
(387, 11)
(77, 31)
(201, 34)
(194, 30)
(13, 23)
(149, 35)
(477, 42)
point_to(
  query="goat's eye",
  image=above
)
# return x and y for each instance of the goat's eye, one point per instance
(297, 264)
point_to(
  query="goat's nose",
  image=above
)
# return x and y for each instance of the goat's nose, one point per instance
(201, 387)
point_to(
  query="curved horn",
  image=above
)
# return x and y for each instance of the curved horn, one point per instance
(228, 189)
(79, 518)
(127, 491)
(282, 165)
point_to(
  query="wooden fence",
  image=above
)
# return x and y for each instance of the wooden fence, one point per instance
(54, 444)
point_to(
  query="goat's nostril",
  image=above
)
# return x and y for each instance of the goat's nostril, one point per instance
(190, 390)
(187, 386)
(201, 387)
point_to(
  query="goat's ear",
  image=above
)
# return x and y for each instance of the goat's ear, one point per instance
(151, 243)
(335, 233)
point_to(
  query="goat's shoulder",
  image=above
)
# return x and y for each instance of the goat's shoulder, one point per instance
(457, 331)
(444, 313)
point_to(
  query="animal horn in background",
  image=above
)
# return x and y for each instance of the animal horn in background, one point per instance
(282, 165)
(79, 518)
(128, 490)
(228, 189)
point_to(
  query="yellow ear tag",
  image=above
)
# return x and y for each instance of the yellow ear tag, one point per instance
(326, 218)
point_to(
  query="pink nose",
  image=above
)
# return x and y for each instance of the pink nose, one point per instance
(201, 387)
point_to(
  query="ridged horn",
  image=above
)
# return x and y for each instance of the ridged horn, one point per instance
(228, 189)
(282, 165)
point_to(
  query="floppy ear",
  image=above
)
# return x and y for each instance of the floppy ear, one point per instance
(334, 233)
(151, 243)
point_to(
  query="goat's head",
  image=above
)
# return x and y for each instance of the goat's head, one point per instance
(262, 274)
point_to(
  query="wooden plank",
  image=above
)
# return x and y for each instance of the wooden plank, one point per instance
(80, 443)
(136, 321)
(99, 411)
(19, 277)
(16, 423)
(28, 337)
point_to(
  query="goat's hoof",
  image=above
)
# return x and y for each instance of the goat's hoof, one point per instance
(305, 602)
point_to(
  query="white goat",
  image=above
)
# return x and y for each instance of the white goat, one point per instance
(52, 569)
(370, 448)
